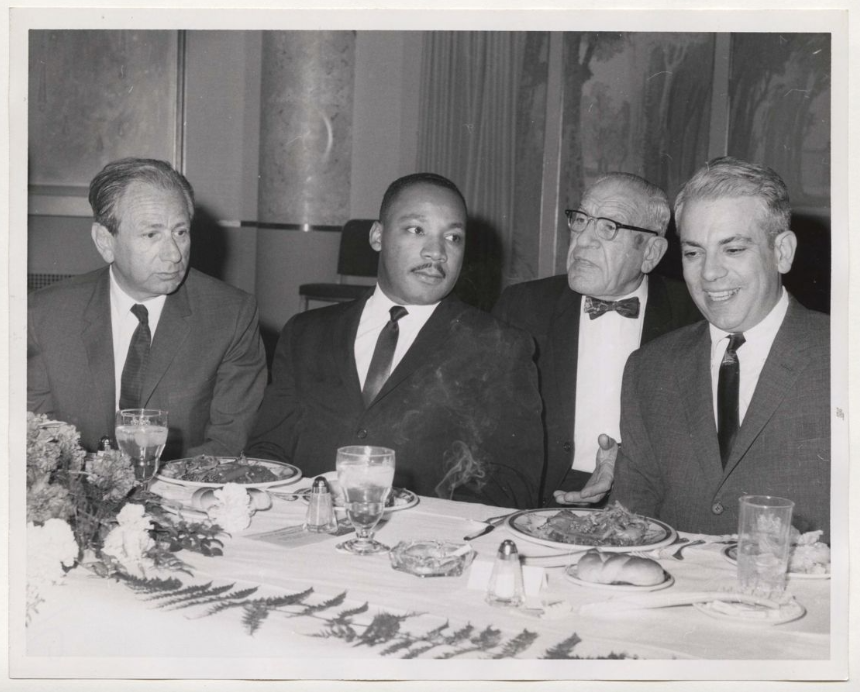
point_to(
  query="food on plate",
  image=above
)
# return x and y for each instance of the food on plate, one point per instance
(212, 470)
(619, 569)
(612, 526)
(808, 555)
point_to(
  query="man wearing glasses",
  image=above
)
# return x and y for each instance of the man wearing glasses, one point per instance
(587, 323)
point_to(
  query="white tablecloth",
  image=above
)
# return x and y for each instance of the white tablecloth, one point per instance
(91, 617)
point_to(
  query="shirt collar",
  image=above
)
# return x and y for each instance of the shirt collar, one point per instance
(767, 328)
(379, 305)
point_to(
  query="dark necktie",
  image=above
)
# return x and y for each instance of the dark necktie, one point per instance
(380, 364)
(728, 417)
(136, 360)
(628, 307)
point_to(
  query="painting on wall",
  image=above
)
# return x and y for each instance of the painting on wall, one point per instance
(96, 96)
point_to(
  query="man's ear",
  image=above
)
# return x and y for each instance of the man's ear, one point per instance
(376, 236)
(104, 242)
(655, 249)
(784, 247)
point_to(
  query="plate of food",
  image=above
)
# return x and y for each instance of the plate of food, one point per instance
(752, 614)
(809, 558)
(398, 499)
(613, 529)
(206, 471)
(618, 572)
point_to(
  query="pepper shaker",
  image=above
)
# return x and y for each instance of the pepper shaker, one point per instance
(506, 581)
(320, 516)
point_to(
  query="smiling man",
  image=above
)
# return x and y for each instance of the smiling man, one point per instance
(146, 331)
(741, 404)
(410, 367)
(587, 322)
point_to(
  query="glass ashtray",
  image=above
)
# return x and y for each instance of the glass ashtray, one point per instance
(429, 558)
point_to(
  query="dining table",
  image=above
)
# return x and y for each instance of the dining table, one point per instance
(282, 602)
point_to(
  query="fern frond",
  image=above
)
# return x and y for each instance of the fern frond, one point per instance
(563, 649)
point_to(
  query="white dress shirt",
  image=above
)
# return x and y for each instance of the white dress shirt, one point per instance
(604, 345)
(751, 354)
(124, 323)
(374, 317)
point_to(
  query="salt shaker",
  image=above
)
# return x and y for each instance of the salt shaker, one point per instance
(506, 580)
(320, 517)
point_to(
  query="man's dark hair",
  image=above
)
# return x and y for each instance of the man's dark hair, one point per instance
(111, 182)
(405, 182)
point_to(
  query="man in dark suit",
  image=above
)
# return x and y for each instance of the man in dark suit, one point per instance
(146, 331)
(617, 236)
(410, 367)
(741, 404)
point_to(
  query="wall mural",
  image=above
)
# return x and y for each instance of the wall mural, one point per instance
(96, 96)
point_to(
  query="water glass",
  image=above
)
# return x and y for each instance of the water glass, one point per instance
(764, 543)
(141, 435)
(365, 474)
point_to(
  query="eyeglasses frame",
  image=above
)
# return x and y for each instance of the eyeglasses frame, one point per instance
(618, 225)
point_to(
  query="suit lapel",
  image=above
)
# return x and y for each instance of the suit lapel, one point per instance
(562, 351)
(343, 353)
(173, 328)
(781, 369)
(429, 341)
(693, 381)
(96, 335)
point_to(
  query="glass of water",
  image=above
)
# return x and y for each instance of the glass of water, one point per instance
(141, 435)
(764, 544)
(365, 474)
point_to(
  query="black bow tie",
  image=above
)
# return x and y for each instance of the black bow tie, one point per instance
(628, 307)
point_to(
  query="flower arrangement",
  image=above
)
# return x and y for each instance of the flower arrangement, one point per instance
(87, 510)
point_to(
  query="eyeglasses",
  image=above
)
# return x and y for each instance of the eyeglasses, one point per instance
(607, 229)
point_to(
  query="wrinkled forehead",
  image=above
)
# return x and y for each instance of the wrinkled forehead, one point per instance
(615, 198)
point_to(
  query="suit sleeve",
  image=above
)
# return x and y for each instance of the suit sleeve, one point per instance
(638, 478)
(39, 397)
(275, 428)
(514, 451)
(239, 385)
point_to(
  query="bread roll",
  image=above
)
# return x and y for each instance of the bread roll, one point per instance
(607, 569)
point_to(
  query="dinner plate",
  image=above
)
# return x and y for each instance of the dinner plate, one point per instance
(288, 473)
(752, 614)
(526, 523)
(570, 574)
(730, 553)
(403, 498)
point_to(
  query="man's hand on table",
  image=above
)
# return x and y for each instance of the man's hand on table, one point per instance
(601, 479)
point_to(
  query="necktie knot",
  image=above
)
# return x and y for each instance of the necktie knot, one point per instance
(397, 312)
(627, 307)
(736, 341)
(141, 313)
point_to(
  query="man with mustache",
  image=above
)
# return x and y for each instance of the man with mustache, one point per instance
(587, 323)
(739, 404)
(410, 367)
(146, 331)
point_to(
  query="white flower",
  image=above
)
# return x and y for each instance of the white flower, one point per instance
(49, 548)
(233, 510)
(129, 542)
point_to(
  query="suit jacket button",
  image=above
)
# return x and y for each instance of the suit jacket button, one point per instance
(717, 508)
(568, 447)
(361, 433)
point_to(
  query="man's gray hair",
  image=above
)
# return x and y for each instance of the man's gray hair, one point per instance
(111, 182)
(729, 177)
(656, 213)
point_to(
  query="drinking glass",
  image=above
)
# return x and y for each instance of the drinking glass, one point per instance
(141, 435)
(764, 536)
(365, 474)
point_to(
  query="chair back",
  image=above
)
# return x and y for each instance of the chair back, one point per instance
(356, 258)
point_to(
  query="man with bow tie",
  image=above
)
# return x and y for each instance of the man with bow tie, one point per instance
(587, 323)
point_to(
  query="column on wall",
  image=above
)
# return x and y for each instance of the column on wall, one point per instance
(305, 164)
